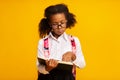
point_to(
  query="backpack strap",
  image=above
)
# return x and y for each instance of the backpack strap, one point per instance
(74, 51)
(73, 44)
(46, 48)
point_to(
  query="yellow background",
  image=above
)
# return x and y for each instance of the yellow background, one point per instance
(98, 29)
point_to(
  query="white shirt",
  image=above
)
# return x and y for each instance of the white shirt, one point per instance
(57, 47)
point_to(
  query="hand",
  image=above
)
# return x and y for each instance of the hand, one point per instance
(51, 64)
(68, 56)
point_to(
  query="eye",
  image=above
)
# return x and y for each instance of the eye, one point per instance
(54, 24)
(62, 22)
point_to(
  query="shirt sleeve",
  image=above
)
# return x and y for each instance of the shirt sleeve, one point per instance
(79, 61)
(41, 68)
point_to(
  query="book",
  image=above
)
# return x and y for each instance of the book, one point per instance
(62, 65)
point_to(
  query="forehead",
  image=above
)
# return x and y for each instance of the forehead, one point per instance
(57, 17)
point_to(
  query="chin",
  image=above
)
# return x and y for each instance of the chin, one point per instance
(60, 34)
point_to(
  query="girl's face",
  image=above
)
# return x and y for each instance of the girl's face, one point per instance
(58, 23)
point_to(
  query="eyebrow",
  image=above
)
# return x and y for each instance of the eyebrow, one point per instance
(60, 21)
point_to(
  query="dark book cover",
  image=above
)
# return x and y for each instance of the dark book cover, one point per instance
(62, 65)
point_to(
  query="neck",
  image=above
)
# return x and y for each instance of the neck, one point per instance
(55, 35)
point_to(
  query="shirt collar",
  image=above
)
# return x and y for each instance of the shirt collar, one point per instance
(64, 35)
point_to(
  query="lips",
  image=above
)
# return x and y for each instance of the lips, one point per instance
(60, 32)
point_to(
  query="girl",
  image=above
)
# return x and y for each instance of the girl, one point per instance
(57, 45)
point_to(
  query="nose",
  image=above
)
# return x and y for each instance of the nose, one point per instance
(59, 26)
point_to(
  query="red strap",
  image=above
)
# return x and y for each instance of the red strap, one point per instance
(46, 48)
(74, 51)
(73, 44)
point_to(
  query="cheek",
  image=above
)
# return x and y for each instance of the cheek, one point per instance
(64, 29)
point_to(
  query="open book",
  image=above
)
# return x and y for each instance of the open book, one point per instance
(62, 65)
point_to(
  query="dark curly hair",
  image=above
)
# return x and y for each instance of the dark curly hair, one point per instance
(44, 27)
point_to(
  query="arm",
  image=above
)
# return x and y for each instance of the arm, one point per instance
(79, 61)
(50, 64)
(41, 68)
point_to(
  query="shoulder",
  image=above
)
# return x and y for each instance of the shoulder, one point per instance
(76, 39)
(41, 41)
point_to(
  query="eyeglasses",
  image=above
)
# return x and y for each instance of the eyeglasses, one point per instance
(59, 25)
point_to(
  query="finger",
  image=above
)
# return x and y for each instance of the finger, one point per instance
(55, 62)
(51, 63)
(47, 62)
(67, 59)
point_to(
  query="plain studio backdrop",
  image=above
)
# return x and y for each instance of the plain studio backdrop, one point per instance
(98, 28)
